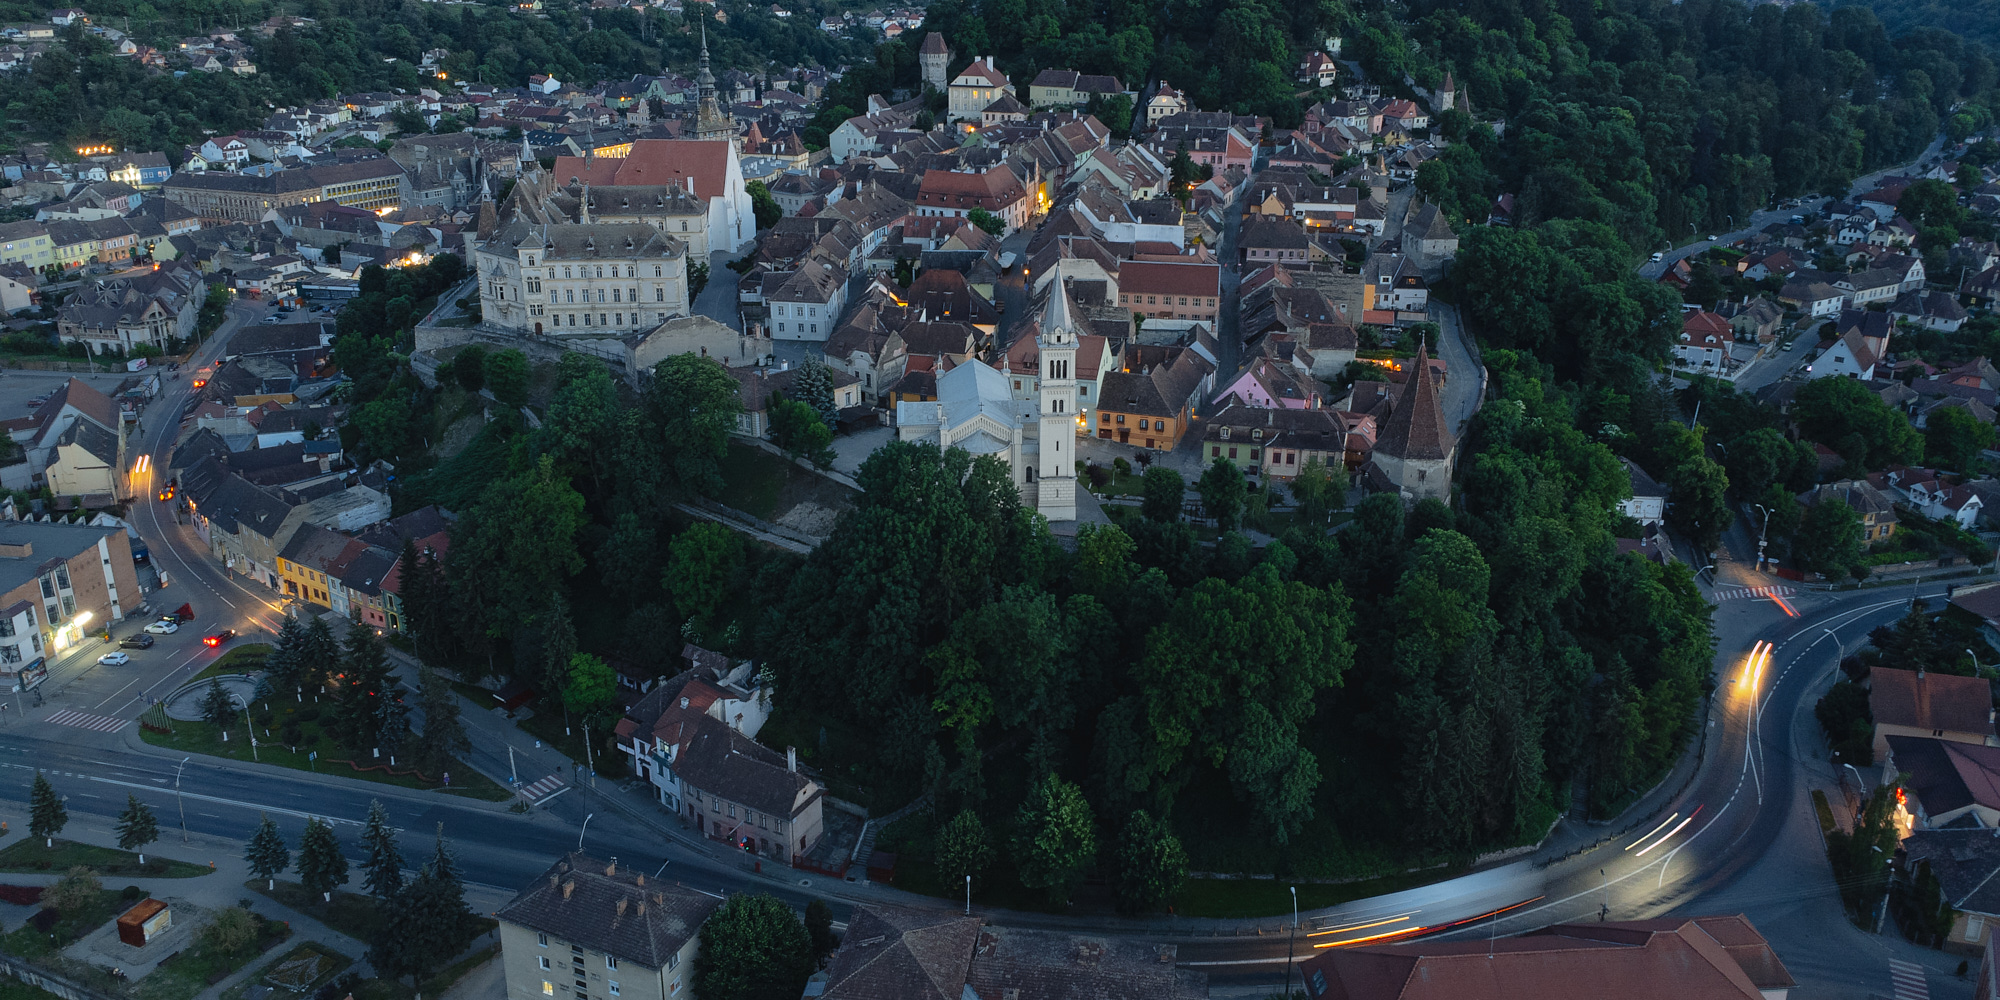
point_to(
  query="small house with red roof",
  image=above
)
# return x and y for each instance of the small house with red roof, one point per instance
(1704, 341)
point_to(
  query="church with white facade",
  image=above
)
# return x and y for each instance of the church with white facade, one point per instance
(976, 410)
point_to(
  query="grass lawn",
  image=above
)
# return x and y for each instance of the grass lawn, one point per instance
(28, 855)
(14, 989)
(288, 734)
(393, 989)
(297, 971)
(200, 966)
(752, 479)
(350, 913)
(27, 942)
(240, 660)
(1826, 822)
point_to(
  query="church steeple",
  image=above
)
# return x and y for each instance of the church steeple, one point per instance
(709, 121)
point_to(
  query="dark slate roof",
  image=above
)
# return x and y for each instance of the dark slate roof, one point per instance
(1964, 862)
(96, 440)
(1643, 485)
(619, 912)
(1948, 775)
(721, 760)
(1416, 429)
(202, 444)
(902, 953)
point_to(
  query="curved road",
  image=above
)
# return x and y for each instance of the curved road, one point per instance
(1739, 838)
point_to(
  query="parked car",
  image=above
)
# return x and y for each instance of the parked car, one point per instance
(114, 660)
(220, 637)
(140, 641)
(163, 628)
(1658, 257)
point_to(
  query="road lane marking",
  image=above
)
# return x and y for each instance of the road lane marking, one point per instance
(85, 720)
(1910, 980)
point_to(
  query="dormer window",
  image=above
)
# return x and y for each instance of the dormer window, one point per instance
(1225, 433)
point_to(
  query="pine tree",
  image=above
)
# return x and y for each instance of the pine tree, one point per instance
(322, 867)
(450, 919)
(283, 669)
(137, 827)
(46, 813)
(368, 715)
(813, 386)
(217, 706)
(267, 853)
(319, 654)
(385, 863)
(443, 738)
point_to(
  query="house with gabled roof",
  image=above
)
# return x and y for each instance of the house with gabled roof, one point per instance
(611, 930)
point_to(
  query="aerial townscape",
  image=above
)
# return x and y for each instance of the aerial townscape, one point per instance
(999, 500)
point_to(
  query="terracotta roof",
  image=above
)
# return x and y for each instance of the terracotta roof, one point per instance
(1930, 701)
(1703, 958)
(1164, 278)
(1417, 427)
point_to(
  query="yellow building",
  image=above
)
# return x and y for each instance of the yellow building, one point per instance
(26, 243)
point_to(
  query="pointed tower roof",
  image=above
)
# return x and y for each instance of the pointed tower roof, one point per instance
(709, 121)
(1056, 314)
(1447, 81)
(1416, 430)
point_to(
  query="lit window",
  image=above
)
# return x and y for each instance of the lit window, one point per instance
(548, 988)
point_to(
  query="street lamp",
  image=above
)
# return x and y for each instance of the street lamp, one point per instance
(1975, 661)
(579, 833)
(177, 798)
(1292, 941)
(1763, 535)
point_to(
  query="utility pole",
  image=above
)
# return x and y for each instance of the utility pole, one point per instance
(1763, 536)
(968, 911)
(177, 798)
(512, 774)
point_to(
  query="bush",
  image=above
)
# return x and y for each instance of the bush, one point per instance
(132, 892)
(1098, 475)
(1124, 468)
(306, 715)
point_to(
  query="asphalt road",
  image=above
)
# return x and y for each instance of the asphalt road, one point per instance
(1758, 220)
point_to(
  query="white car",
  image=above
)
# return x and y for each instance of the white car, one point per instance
(114, 659)
(163, 628)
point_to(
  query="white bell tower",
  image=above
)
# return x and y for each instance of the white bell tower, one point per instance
(1056, 465)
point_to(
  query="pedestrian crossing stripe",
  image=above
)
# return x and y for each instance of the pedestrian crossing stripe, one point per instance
(1738, 593)
(543, 789)
(1909, 980)
(85, 720)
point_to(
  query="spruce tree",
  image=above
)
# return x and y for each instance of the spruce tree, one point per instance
(367, 715)
(385, 863)
(450, 919)
(319, 654)
(283, 669)
(267, 853)
(46, 813)
(217, 706)
(443, 738)
(137, 827)
(813, 386)
(322, 867)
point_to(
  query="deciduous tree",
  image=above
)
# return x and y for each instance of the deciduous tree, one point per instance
(753, 947)
(1055, 837)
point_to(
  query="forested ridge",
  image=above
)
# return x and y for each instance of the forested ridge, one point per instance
(79, 91)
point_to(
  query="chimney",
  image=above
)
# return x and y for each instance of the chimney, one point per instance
(792, 759)
(612, 868)
(568, 887)
(684, 701)
(642, 879)
(622, 904)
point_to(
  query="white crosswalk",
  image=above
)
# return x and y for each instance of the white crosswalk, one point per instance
(1738, 593)
(85, 720)
(543, 790)
(1910, 981)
